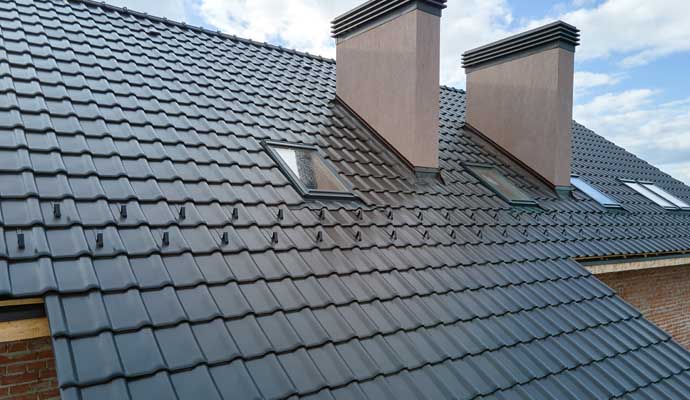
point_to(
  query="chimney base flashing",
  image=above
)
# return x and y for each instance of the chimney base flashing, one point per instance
(564, 192)
(510, 156)
(427, 174)
(420, 173)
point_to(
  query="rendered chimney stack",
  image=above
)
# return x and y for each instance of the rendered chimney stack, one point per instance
(520, 96)
(388, 59)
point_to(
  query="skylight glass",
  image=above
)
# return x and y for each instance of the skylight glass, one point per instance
(667, 196)
(307, 170)
(498, 183)
(596, 195)
(658, 195)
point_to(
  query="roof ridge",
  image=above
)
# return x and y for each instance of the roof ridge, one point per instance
(218, 33)
(452, 89)
(184, 25)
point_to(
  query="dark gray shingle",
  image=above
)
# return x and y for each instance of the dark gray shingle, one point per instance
(423, 290)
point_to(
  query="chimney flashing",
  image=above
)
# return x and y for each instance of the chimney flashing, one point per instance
(377, 12)
(554, 35)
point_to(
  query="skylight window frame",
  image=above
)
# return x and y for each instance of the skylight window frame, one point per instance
(514, 202)
(659, 191)
(270, 145)
(614, 204)
(649, 187)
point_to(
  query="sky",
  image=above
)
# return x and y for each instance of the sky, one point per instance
(632, 69)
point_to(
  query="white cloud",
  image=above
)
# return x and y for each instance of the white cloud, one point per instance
(467, 24)
(305, 25)
(634, 119)
(584, 81)
(639, 31)
(299, 24)
(677, 170)
(171, 9)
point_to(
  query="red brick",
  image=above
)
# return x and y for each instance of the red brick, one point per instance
(25, 397)
(27, 371)
(44, 354)
(661, 295)
(35, 365)
(41, 343)
(16, 347)
(50, 394)
(19, 378)
(46, 373)
(15, 368)
(19, 357)
(22, 389)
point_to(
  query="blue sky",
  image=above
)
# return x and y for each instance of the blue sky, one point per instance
(632, 68)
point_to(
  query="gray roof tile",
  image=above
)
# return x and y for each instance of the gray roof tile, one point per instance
(230, 300)
(84, 313)
(248, 336)
(275, 383)
(178, 346)
(194, 384)
(114, 390)
(126, 310)
(233, 381)
(150, 272)
(74, 276)
(215, 342)
(302, 371)
(198, 303)
(163, 306)
(156, 387)
(95, 358)
(98, 114)
(135, 350)
(114, 273)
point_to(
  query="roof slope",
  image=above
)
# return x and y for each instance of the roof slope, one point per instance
(418, 291)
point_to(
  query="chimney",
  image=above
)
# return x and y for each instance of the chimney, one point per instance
(388, 73)
(520, 96)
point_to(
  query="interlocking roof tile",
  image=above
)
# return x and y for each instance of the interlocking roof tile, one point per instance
(180, 262)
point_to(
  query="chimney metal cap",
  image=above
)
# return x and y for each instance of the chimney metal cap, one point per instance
(556, 34)
(374, 11)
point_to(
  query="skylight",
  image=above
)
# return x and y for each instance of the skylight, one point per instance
(307, 170)
(658, 195)
(595, 194)
(500, 185)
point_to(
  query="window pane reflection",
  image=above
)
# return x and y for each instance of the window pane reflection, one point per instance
(668, 196)
(595, 194)
(310, 169)
(649, 194)
(492, 177)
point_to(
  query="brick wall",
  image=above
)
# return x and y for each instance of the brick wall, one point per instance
(661, 294)
(27, 370)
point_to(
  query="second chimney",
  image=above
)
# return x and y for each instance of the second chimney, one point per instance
(388, 55)
(520, 96)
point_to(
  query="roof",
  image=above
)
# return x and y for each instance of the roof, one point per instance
(419, 290)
